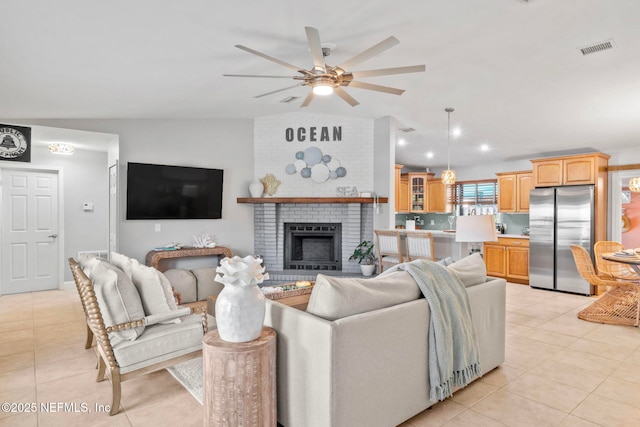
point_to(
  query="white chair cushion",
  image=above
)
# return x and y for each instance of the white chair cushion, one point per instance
(118, 299)
(123, 262)
(160, 342)
(153, 293)
(334, 298)
(471, 270)
(392, 259)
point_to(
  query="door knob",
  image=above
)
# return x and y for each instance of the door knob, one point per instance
(53, 235)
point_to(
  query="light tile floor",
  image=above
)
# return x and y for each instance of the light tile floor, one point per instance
(559, 371)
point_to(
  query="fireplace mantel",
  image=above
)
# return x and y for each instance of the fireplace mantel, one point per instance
(259, 200)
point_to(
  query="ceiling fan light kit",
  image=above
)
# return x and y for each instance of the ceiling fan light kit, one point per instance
(325, 79)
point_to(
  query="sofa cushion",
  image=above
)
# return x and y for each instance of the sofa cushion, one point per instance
(151, 289)
(184, 282)
(471, 270)
(333, 297)
(207, 285)
(118, 300)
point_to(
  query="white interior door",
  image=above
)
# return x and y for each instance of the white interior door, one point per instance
(29, 240)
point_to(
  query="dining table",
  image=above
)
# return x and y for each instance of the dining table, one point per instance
(633, 260)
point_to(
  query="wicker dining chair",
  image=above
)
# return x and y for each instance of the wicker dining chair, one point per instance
(419, 245)
(389, 248)
(618, 305)
(610, 269)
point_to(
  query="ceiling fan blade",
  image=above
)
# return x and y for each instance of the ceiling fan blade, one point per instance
(307, 100)
(388, 71)
(344, 95)
(313, 38)
(378, 88)
(276, 91)
(271, 58)
(256, 75)
(369, 53)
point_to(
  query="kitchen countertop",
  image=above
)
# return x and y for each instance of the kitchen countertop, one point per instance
(453, 234)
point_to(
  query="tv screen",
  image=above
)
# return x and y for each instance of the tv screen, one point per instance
(173, 192)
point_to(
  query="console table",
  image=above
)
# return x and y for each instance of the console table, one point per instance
(155, 258)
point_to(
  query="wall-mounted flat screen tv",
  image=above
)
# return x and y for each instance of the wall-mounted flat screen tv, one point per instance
(173, 192)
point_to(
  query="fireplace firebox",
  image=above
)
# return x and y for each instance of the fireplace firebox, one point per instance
(313, 246)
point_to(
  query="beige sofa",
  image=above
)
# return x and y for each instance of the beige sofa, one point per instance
(370, 369)
(194, 285)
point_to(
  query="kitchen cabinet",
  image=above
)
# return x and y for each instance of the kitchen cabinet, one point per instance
(436, 196)
(513, 191)
(508, 258)
(403, 204)
(569, 170)
(401, 190)
(418, 192)
(426, 194)
(578, 170)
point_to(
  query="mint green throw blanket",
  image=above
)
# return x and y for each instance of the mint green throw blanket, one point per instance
(453, 349)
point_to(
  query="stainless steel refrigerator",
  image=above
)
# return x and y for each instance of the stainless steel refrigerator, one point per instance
(560, 217)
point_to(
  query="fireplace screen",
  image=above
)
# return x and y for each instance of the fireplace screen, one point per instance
(316, 246)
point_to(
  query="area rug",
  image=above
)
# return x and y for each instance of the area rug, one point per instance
(189, 374)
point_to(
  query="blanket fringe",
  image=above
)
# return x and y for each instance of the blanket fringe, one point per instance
(457, 379)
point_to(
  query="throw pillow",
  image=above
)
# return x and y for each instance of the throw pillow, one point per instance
(446, 261)
(122, 262)
(149, 285)
(118, 299)
(88, 263)
(471, 270)
(336, 297)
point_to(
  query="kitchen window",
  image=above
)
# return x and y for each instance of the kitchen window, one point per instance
(475, 197)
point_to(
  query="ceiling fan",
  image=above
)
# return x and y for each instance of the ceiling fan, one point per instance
(325, 79)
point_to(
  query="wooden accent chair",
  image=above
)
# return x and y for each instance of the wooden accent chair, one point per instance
(157, 347)
(618, 305)
(419, 245)
(610, 269)
(389, 248)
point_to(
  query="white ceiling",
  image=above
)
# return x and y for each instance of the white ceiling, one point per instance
(510, 68)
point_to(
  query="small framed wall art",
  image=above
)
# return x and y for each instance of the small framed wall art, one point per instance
(15, 143)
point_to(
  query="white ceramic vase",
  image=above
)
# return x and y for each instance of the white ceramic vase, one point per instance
(256, 189)
(240, 305)
(240, 313)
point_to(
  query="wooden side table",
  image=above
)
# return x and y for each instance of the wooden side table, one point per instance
(240, 381)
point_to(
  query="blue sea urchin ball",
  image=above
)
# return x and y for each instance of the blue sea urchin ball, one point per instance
(326, 158)
(312, 156)
(306, 172)
(300, 155)
(290, 169)
(341, 172)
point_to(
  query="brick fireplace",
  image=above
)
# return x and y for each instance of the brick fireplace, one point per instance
(354, 216)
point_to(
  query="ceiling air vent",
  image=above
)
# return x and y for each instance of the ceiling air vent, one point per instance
(406, 130)
(597, 47)
(289, 99)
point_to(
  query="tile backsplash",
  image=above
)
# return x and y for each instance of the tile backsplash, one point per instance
(513, 222)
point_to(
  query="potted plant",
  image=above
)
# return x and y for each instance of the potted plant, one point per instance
(365, 256)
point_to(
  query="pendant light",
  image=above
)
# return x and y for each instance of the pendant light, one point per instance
(634, 184)
(448, 176)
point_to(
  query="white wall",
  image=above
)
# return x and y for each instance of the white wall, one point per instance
(82, 182)
(216, 143)
(384, 176)
(354, 151)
